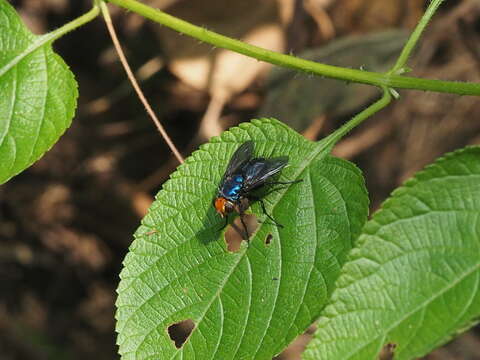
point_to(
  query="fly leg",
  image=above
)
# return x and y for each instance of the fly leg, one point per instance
(247, 235)
(262, 204)
(240, 208)
(283, 182)
(224, 225)
(236, 228)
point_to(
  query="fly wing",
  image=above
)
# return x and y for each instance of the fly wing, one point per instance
(241, 156)
(259, 170)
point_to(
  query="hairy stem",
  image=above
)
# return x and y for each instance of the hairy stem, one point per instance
(333, 138)
(415, 36)
(351, 75)
(52, 36)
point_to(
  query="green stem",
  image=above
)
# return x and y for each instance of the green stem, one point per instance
(415, 36)
(52, 36)
(325, 145)
(351, 75)
(333, 138)
(72, 25)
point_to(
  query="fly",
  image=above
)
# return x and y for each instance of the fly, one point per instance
(245, 174)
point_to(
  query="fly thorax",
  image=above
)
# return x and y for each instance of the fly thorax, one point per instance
(231, 187)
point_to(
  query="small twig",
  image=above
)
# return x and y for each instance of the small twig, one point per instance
(131, 77)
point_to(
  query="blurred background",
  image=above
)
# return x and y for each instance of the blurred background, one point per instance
(66, 222)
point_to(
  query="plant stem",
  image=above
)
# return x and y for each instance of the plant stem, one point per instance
(415, 36)
(351, 75)
(325, 145)
(333, 138)
(72, 25)
(52, 36)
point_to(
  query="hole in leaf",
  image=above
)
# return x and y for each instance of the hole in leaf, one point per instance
(236, 232)
(297, 347)
(268, 239)
(180, 331)
(387, 352)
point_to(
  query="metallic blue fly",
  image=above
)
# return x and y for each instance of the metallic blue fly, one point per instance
(245, 174)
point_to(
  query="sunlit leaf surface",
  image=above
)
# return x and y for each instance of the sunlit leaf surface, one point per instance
(37, 95)
(248, 304)
(413, 279)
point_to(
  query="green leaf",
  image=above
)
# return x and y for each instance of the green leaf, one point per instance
(38, 95)
(248, 304)
(413, 278)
